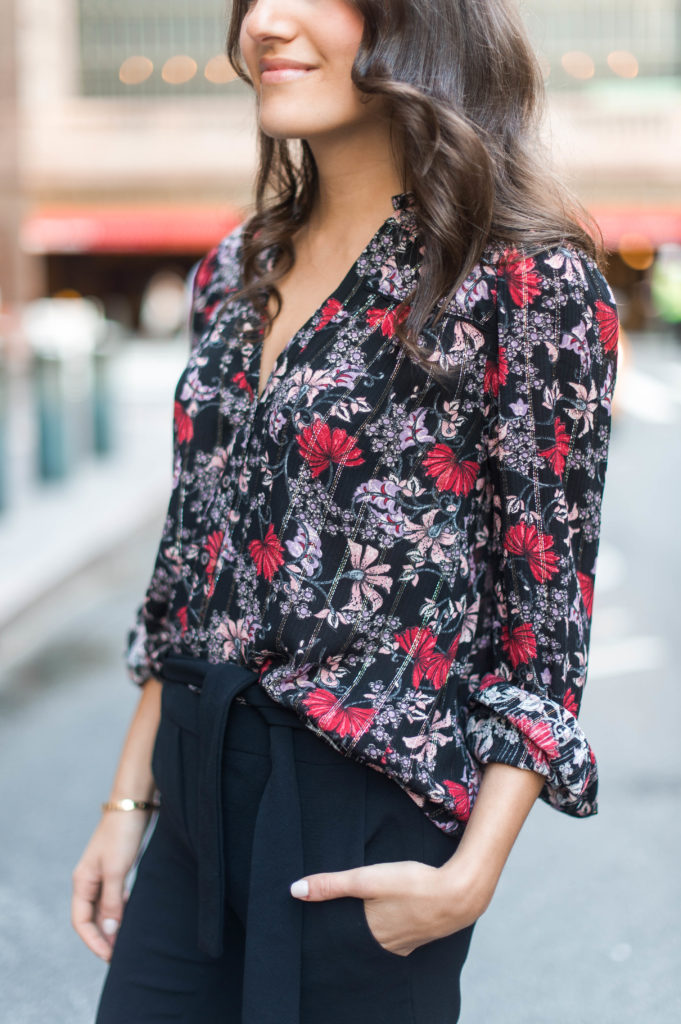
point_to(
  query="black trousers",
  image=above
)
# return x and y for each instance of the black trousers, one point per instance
(278, 960)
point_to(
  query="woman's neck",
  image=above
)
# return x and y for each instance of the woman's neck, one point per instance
(357, 178)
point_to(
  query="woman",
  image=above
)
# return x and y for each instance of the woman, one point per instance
(391, 439)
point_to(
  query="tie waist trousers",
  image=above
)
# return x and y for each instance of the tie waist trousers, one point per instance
(251, 800)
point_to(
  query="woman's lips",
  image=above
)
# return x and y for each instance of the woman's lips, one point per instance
(274, 75)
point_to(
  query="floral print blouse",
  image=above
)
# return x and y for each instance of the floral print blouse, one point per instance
(408, 566)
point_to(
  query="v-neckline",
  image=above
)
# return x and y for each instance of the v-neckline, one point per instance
(401, 201)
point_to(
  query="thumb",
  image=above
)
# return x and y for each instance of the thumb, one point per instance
(330, 885)
(111, 904)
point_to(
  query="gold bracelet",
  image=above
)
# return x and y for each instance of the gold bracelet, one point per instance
(126, 804)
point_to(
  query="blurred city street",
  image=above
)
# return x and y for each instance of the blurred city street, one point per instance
(605, 891)
(129, 149)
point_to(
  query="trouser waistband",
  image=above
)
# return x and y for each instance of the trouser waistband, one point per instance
(277, 854)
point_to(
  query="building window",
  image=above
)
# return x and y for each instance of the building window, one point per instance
(582, 41)
(157, 48)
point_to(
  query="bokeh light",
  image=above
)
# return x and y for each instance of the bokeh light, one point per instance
(637, 251)
(623, 63)
(218, 70)
(178, 70)
(578, 64)
(135, 70)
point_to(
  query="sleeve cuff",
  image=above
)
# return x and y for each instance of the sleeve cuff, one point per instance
(140, 656)
(513, 726)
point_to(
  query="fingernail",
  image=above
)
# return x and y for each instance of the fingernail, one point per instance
(109, 925)
(300, 889)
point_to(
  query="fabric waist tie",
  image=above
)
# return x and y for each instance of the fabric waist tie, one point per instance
(274, 933)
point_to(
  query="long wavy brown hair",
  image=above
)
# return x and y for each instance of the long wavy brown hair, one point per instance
(465, 95)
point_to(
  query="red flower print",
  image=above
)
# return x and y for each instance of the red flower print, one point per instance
(209, 310)
(520, 644)
(351, 721)
(496, 373)
(609, 325)
(268, 554)
(524, 284)
(212, 546)
(241, 382)
(429, 663)
(570, 701)
(557, 453)
(182, 616)
(537, 737)
(184, 425)
(451, 475)
(462, 803)
(332, 307)
(586, 585)
(206, 268)
(440, 664)
(525, 540)
(388, 319)
(265, 665)
(489, 679)
(320, 446)
(425, 645)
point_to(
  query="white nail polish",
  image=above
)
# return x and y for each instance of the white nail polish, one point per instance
(109, 925)
(300, 888)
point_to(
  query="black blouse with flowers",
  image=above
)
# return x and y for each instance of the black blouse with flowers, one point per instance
(408, 566)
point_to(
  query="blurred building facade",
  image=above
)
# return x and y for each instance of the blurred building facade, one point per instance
(135, 145)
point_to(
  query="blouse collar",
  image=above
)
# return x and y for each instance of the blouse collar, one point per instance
(403, 201)
(390, 264)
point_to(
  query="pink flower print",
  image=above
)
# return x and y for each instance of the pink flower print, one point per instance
(431, 539)
(366, 578)
(235, 635)
(585, 405)
(414, 430)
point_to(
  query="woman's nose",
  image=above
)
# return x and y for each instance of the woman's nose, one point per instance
(271, 19)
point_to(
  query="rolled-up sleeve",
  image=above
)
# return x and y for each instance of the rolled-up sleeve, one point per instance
(549, 396)
(151, 633)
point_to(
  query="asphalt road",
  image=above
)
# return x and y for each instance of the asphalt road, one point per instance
(584, 926)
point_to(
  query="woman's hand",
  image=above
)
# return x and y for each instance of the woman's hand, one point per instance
(407, 903)
(99, 876)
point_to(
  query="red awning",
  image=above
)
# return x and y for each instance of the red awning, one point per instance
(127, 229)
(656, 224)
(194, 229)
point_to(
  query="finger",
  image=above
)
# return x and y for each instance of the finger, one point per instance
(331, 884)
(111, 903)
(83, 902)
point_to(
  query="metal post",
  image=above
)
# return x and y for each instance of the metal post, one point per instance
(102, 399)
(48, 378)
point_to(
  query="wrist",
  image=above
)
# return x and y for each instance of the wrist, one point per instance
(127, 804)
(467, 882)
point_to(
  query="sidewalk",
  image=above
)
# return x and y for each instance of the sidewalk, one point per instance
(50, 531)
